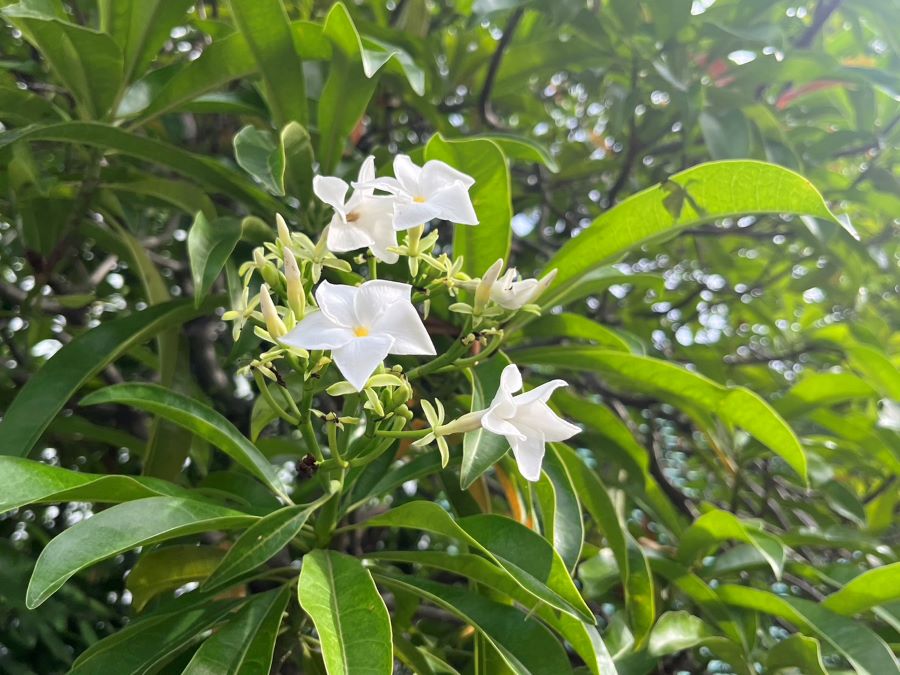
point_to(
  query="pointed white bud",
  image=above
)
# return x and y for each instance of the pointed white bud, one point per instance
(274, 324)
(483, 291)
(284, 233)
(296, 295)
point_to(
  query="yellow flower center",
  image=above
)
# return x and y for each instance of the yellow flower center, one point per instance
(419, 200)
(361, 331)
(352, 217)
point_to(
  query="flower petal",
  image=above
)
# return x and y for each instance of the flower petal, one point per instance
(367, 173)
(359, 358)
(454, 204)
(402, 322)
(317, 331)
(387, 184)
(383, 237)
(375, 297)
(510, 379)
(331, 190)
(408, 174)
(529, 454)
(409, 214)
(541, 393)
(539, 417)
(496, 424)
(437, 174)
(336, 301)
(343, 237)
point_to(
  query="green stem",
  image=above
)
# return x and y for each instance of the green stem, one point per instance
(456, 350)
(493, 346)
(264, 390)
(387, 433)
(333, 443)
(309, 437)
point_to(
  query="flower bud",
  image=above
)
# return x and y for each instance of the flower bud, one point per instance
(483, 291)
(284, 233)
(274, 324)
(296, 295)
(268, 271)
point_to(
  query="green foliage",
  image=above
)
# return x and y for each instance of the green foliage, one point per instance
(715, 185)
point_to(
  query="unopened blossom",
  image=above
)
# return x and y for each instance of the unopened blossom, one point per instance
(296, 295)
(423, 193)
(361, 325)
(526, 420)
(362, 221)
(511, 291)
(274, 324)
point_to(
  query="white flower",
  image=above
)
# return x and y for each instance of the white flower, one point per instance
(361, 325)
(364, 220)
(526, 420)
(422, 193)
(511, 291)
(889, 415)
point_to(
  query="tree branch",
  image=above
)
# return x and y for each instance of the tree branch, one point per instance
(484, 100)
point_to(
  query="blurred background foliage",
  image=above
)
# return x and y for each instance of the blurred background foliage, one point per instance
(102, 169)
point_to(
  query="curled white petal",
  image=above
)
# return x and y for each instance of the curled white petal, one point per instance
(359, 358)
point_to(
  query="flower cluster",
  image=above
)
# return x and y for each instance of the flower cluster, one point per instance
(358, 323)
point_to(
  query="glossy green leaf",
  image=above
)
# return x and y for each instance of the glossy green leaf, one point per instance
(867, 652)
(481, 449)
(259, 543)
(521, 148)
(140, 28)
(877, 586)
(265, 26)
(209, 245)
(525, 644)
(23, 481)
(715, 190)
(145, 644)
(208, 172)
(737, 405)
(680, 630)
(88, 63)
(636, 578)
(716, 526)
(298, 161)
(245, 644)
(349, 614)
(561, 509)
(567, 326)
(797, 653)
(484, 161)
(46, 392)
(726, 132)
(201, 420)
(526, 556)
(180, 194)
(165, 569)
(119, 529)
(257, 154)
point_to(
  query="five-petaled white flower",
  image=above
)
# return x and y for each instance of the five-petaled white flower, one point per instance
(526, 420)
(361, 325)
(422, 193)
(362, 221)
(511, 291)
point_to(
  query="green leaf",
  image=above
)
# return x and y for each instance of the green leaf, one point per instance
(716, 526)
(350, 617)
(88, 63)
(298, 161)
(244, 645)
(264, 25)
(679, 385)
(640, 599)
(877, 586)
(521, 148)
(867, 652)
(163, 570)
(526, 556)
(24, 481)
(525, 644)
(560, 509)
(180, 194)
(119, 529)
(198, 418)
(798, 653)
(481, 449)
(719, 189)
(206, 171)
(567, 326)
(148, 642)
(48, 390)
(727, 133)
(257, 154)
(258, 544)
(680, 630)
(140, 27)
(483, 160)
(209, 246)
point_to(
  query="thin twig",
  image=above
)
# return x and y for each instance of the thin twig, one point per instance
(484, 100)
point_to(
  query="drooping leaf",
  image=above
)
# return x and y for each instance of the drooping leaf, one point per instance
(265, 26)
(48, 390)
(877, 586)
(198, 418)
(245, 644)
(561, 509)
(797, 652)
(165, 569)
(680, 630)
(484, 161)
(209, 245)
(119, 529)
(350, 616)
(720, 190)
